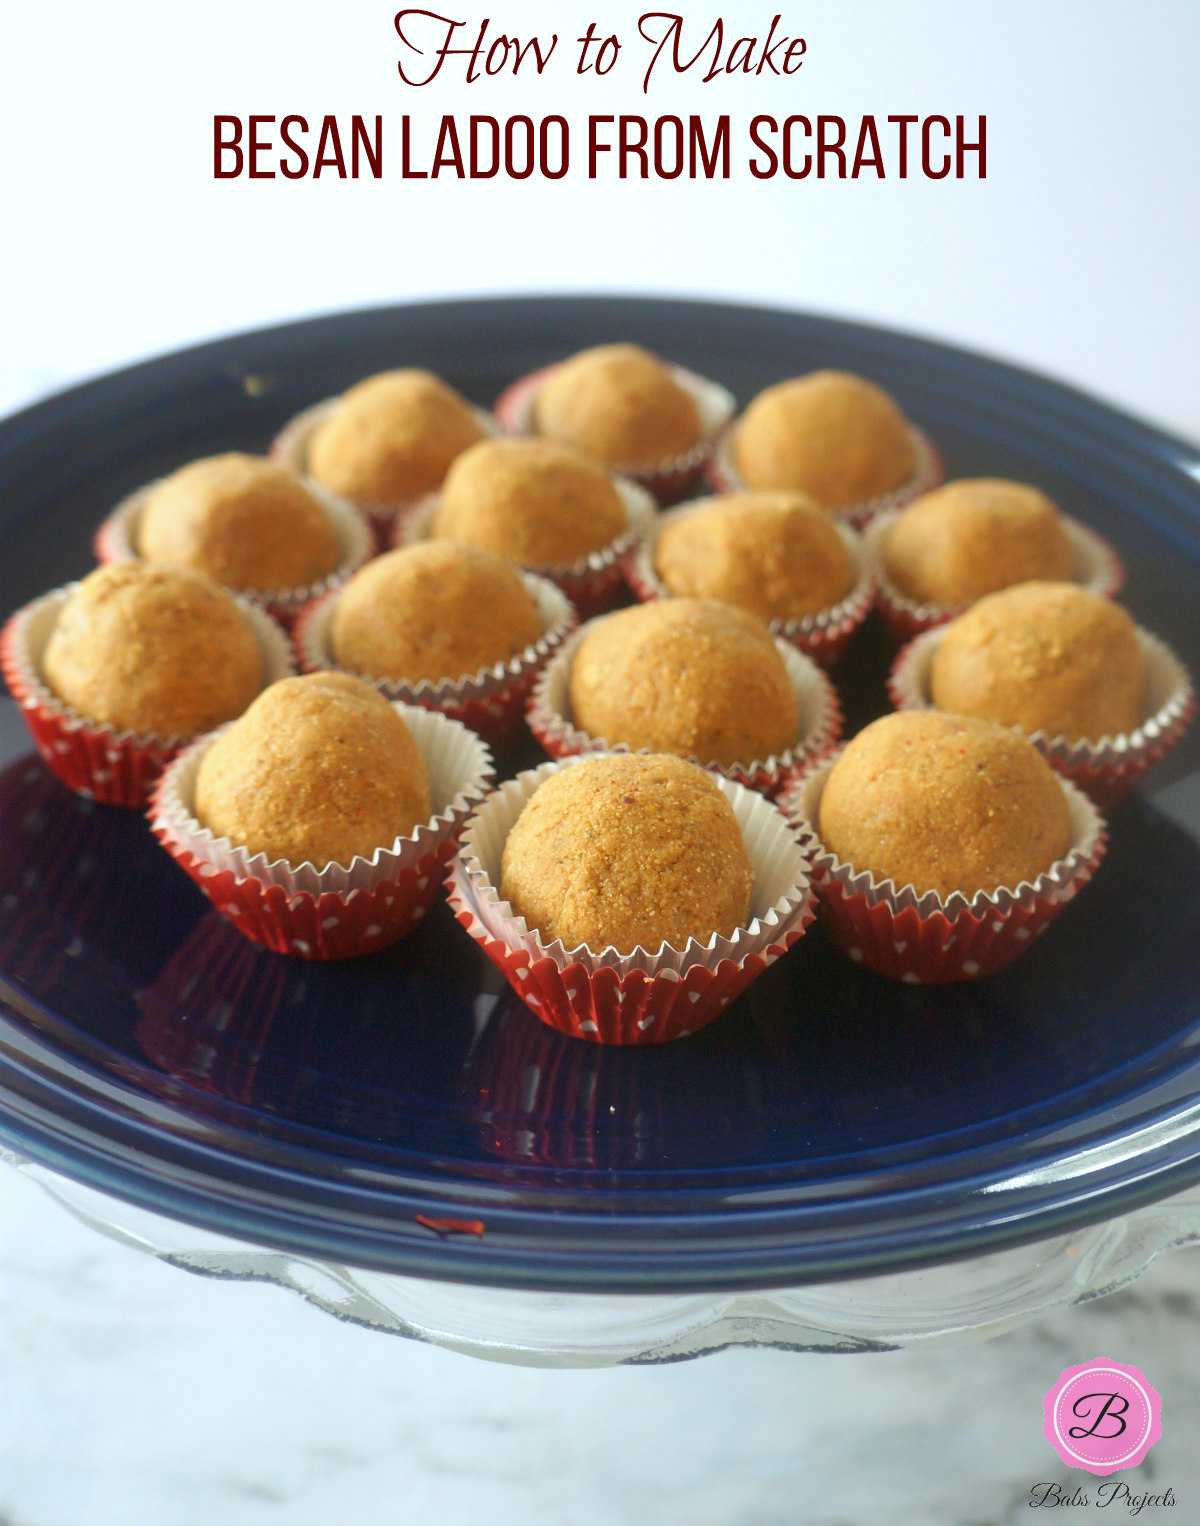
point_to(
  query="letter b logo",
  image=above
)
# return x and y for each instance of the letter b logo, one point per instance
(1102, 1416)
(1100, 1410)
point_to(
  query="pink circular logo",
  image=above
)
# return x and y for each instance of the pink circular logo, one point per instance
(1102, 1416)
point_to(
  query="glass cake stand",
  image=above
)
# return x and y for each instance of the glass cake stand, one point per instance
(839, 1163)
(953, 1303)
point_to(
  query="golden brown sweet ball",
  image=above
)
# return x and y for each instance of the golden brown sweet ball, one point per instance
(974, 536)
(777, 555)
(436, 610)
(945, 803)
(687, 676)
(1051, 657)
(627, 852)
(392, 438)
(319, 769)
(831, 434)
(537, 503)
(620, 405)
(153, 650)
(243, 520)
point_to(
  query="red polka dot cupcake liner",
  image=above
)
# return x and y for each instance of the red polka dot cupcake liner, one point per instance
(290, 448)
(820, 720)
(101, 762)
(339, 911)
(923, 939)
(592, 583)
(646, 997)
(670, 480)
(117, 538)
(1105, 770)
(491, 702)
(725, 477)
(821, 636)
(1097, 566)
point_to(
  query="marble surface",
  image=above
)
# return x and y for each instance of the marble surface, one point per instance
(133, 1392)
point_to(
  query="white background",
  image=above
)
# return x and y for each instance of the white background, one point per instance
(1077, 255)
(130, 1393)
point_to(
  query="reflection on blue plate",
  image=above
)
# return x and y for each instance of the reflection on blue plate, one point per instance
(831, 1123)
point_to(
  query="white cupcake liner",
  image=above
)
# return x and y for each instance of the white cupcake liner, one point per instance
(646, 996)
(1097, 566)
(922, 937)
(290, 448)
(928, 472)
(460, 771)
(822, 635)
(820, 719)
(668, 479)
(99, 761)
(781, 883)
(802, 804)
(314, 650)
(1107, 768)
(584, 580)
(117, 541)
(490, 701)
(341, 911)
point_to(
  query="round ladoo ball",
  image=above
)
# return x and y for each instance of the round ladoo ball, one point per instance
(153, 650)
(830, 434)
(628, 852)
(1049, 657)
(433, 611)
(539, 504)
(620, 405)
(972, 537)
(776, 555)
(241, 519)
(392, 438)
(687, 676)
(319, 770)
(944, 803)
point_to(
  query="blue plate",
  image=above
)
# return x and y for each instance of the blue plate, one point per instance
(831, 1124)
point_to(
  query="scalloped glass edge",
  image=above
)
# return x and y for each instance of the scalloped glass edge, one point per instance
(955, 1303)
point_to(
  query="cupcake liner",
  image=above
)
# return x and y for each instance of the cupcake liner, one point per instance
(725, 477)
(290, 448)
(491, 701)
(593, 582)
(550, 720)
(1097, 566)
(821, 636)
(921, 939)
(116, 767)
(116, 541)
(645, 997)
(670, 479)
(340, 911)
(1105, 770)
